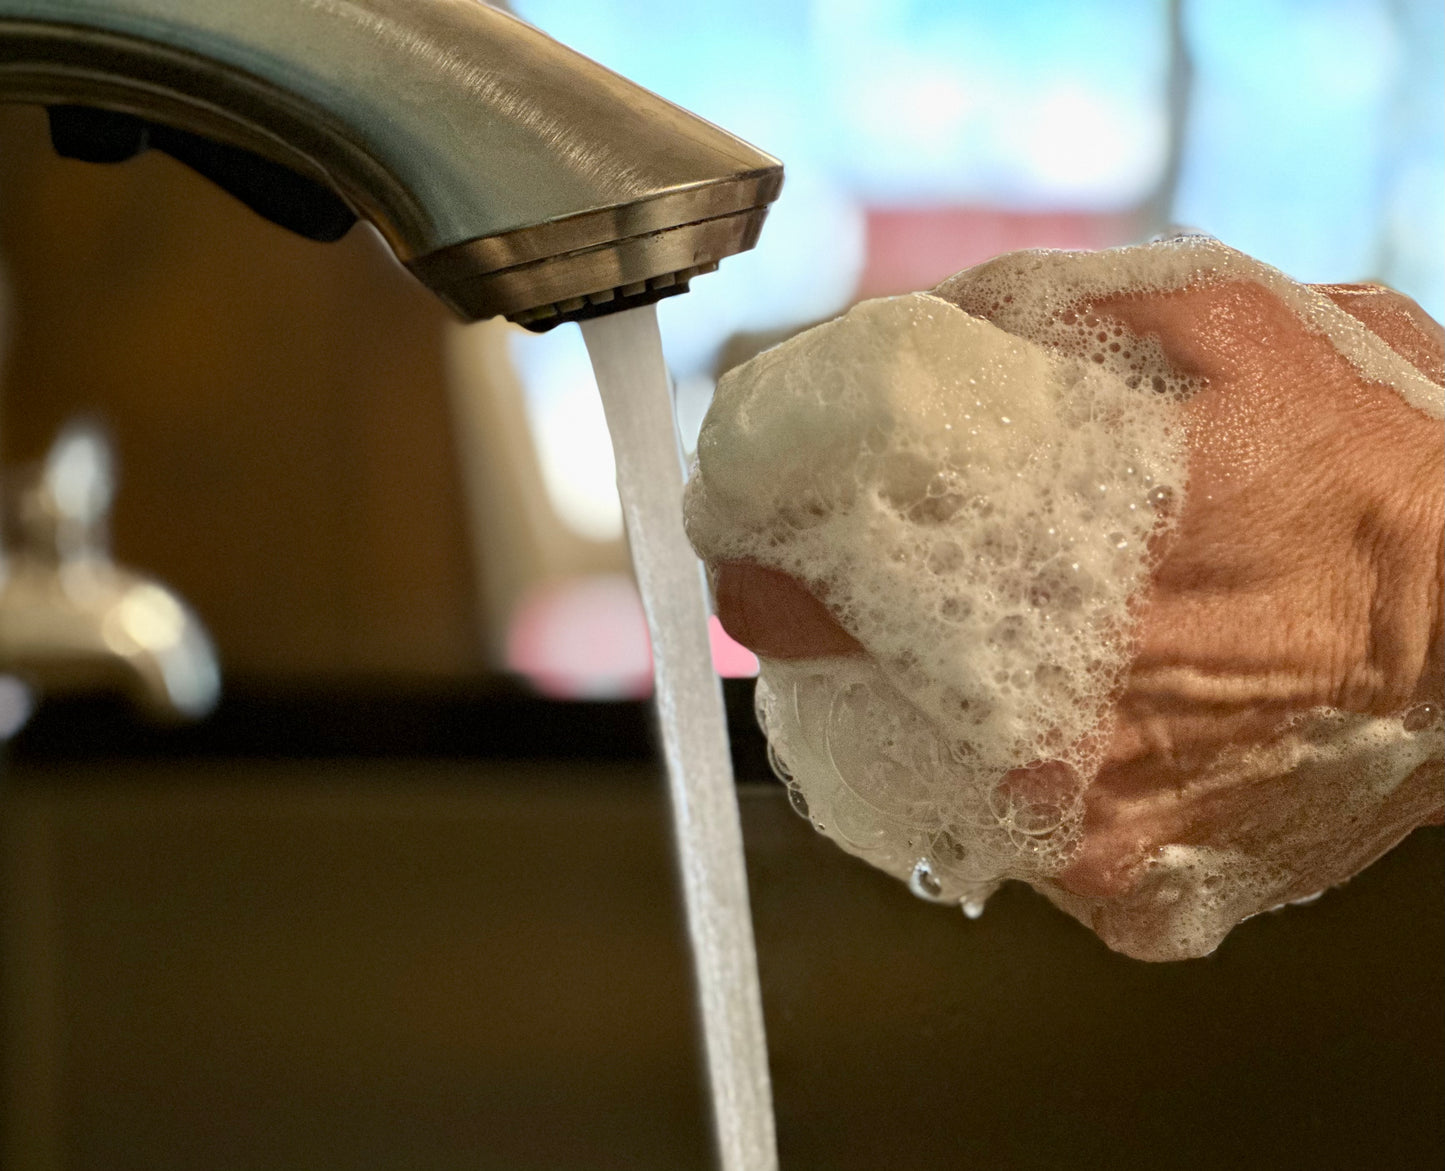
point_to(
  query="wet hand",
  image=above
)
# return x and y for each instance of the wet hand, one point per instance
(1304, 573)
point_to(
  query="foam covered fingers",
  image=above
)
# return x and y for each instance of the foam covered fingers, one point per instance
(1304, 576)
(1420, 339)
(774, 615)
(1292, 622)
(1303, 563)
(1110, 572)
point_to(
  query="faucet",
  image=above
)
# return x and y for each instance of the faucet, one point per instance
(70, 617)
(509, 174)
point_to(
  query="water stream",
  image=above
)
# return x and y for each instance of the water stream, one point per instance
(626, 351)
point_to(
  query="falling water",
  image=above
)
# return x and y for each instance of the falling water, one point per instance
(626, 352)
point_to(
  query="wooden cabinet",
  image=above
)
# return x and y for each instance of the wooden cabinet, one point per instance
(279, 410)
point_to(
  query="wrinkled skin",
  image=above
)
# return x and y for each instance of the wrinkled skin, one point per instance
(1305, 571)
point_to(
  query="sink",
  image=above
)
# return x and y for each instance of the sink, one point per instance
(433, 962)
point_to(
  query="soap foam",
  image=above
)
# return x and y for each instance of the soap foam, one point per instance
(976, 501)
(976, 511)
(1033, 294)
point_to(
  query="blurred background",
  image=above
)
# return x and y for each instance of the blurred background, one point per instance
(404, 897)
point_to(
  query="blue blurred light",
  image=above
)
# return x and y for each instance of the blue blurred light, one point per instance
(1315, 138)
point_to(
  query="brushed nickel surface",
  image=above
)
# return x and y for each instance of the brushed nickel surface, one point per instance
(455, 128)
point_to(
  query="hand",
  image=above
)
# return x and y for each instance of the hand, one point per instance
(1305, 573)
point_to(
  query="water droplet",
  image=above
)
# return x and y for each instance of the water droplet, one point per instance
(798, 802)
(1161, 497)
(924, 883)
(1119, 540)
(1420, 717)
(972, 908)
(779, 765)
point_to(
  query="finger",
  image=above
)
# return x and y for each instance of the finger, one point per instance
(775, 616)
(1222, 332)
(1397, 321)
(1208, 330)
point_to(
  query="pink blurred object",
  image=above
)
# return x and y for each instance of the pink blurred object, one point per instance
(730, 658)
(916, 247)
(586, 638)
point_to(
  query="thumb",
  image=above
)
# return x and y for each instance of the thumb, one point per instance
(1397, 321)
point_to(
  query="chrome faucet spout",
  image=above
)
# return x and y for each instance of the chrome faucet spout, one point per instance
(510, 174)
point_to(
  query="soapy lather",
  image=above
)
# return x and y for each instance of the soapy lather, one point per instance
(1037, 518)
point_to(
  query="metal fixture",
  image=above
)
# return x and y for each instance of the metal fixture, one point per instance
(511, 175)
(73, 620)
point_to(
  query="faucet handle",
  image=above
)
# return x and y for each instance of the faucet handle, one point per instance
(79, 474)
(61, 509)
